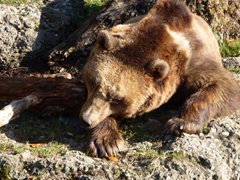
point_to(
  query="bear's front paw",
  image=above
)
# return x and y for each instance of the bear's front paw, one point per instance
(105, 139)
(178, 126)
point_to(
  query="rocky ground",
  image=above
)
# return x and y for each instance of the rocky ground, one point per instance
(35, 147)
(40, 148)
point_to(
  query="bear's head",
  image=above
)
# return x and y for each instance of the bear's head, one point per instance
(130, 71)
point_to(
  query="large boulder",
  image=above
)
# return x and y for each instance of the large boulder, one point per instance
(18, 33)
(29, 31)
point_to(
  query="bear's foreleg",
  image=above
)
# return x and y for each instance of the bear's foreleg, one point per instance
(197, 110)
(105, 139)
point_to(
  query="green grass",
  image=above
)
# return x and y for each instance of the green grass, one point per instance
(95, 3)
(172, 154)
(147, 153)
(234, 69)
(52, 134)
(50, 149)
(151, 153)
(206, 129)
(91, 7)
(230, 48)
(135, 133)
(45, 150)
(33, 128)
(18, 2)
(5, 171)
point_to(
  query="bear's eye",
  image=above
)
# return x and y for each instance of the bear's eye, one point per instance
(90, 82)
(114, 100)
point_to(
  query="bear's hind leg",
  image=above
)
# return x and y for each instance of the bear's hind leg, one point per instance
(105, 139)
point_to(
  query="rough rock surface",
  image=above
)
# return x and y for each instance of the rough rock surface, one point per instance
(212, 155)
(231, 62)
(28, 32)
(17, 28)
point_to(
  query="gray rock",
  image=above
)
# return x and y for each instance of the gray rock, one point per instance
(28, 32)
(231, 62)
(16, 39)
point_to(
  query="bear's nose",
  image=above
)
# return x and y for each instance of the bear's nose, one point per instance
(92, 116)
(95, 111)
(89, 117)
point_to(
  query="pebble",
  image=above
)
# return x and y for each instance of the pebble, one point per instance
(225, 134)
(25, 155)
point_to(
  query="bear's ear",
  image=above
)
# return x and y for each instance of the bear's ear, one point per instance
(157, 68)
(106, 40)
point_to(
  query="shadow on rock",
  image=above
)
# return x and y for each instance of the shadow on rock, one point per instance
(34, 129)
(59, 18)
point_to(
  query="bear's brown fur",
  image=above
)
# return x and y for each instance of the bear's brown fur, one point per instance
(136, 67)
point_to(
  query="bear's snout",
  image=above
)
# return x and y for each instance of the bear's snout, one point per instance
(94, 111)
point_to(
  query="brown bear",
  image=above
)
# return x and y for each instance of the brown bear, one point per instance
(137, 67)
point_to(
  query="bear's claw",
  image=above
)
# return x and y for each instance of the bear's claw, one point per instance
(178, 126)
